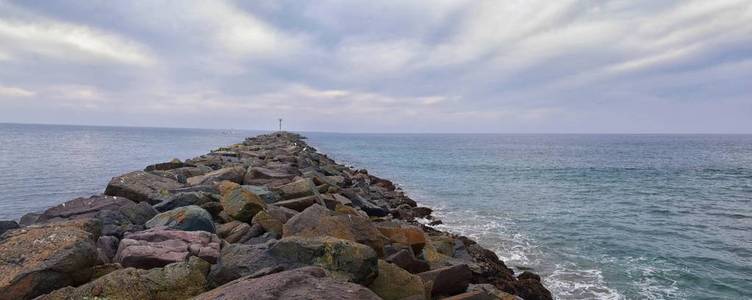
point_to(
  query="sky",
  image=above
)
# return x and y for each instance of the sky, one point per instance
(507, 66)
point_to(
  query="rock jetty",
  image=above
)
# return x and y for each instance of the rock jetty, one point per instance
(268, 218)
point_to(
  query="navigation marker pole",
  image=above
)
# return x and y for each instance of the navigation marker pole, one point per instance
(280, 124)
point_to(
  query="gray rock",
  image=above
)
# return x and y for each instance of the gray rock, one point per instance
(142, 186)
(448, 281)
(234, 174)
(29, 219)
(173, 164)
(262, 176)
(263, 193)
(184, 199)
(7, 225)
(80, 208)
(107, 246)
(360, 201)
(188, 218)
(345, 259)
(138, 213)
(115, 223)
(406, 260)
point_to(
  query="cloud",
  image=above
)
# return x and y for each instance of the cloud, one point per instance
(64, 41)
(442, 66)
(15, 92)
(241, 33)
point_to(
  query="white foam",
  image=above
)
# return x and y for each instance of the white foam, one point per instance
(565, 281)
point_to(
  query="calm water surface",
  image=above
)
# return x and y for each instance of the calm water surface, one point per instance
(599, 216)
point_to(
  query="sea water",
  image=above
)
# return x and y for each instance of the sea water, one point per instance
(598, 216)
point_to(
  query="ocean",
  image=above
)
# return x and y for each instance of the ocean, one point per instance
(598, 216)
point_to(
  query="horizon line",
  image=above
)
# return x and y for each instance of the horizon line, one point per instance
(376, 132)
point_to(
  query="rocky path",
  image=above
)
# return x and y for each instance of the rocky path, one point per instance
(269, 218)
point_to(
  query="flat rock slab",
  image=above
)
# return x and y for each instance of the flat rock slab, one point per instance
(158, 247)
(142, 186)
(234, 174)
(82, 208)
(38, 259)
(303, 283)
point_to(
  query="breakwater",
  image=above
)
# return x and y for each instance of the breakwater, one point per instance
(268, 218)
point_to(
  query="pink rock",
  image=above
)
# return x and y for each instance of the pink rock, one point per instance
(158, 247)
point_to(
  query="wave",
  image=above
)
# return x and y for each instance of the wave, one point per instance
(520, 252)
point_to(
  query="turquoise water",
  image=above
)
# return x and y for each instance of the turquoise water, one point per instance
(599, 216)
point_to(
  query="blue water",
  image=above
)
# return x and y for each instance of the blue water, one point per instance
(599, 216)
(43, 165)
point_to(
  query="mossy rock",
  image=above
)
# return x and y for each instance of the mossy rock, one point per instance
(395, 283)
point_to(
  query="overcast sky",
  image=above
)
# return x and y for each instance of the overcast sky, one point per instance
(381, 66)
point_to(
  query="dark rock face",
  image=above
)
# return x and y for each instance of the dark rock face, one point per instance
(117, 214)
(184, 199)
(361, 201)
(180, 280)
(449, 280)
(489, 264)
(173, 164)
(7, 225)
(528, 286)
(303, 283)
(81, 208)
(128, 218)
(107, 246)
(406, 260)
(488, 291)
(344, 259)
(142, 187)
(29, 219)
(188, 218)
(38, 259)
(158, 247)
(139, 213)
